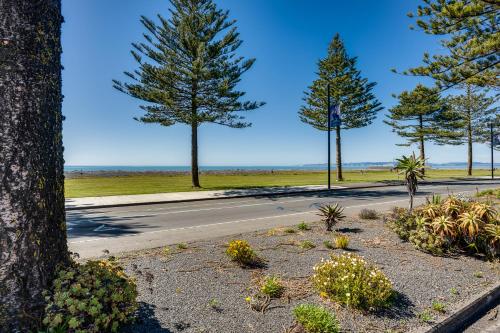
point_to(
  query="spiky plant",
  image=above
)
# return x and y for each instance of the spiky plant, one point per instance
(331, 214)
(470, 224)
(444, 226)
(435, 199)
(413, 169)
(484, 211)
(432, 211)
(452, 206)
(492, 232)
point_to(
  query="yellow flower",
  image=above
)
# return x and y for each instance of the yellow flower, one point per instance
(248, 299)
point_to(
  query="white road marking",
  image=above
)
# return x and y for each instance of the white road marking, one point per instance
(103, 227)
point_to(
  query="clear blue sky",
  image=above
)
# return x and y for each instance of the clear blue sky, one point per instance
(286, 36)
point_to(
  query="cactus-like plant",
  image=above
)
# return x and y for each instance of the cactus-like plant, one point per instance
(331, 214)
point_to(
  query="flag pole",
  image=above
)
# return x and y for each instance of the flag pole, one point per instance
(329, 129)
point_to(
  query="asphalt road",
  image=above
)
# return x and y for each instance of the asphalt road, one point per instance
(123, 229)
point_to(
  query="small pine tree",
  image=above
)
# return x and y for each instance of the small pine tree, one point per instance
(475, 111)
(188, 71)
(421, 115)
(358, 105)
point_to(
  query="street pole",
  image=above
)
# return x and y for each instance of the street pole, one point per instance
(492, 164)
(329, 129)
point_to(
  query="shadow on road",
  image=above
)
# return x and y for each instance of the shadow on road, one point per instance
(146, 321)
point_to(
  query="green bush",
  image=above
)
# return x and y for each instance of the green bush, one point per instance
(272, 286)
(307, 245)
(316, 319)
(348, 279)
(303, 226)
(342, 242)
(93, 297)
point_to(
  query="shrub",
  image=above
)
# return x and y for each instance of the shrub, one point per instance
(438, 306)
(368, 214)
(93, 297)
(307, 245)
(328, 245)
(272, 286)
(348, 279)
(316, 319)
(303, 226)
(331, 214)
(289, 231)
(342, 242)
(490, 193)
(182, 246)
(241, 252)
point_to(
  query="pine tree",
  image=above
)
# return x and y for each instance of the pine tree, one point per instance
(358, 105)
(32, 217)
(421, 115)
(471, 37)
(475, 111)
(188, 71)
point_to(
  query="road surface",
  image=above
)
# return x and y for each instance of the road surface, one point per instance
(123, 229)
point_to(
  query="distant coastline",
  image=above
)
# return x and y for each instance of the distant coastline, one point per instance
(304, 167)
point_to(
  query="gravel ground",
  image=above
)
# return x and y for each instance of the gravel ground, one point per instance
(199, 289)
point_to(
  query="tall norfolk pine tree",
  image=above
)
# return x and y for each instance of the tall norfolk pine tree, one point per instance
(359, 105)
(421, 115)
(188, 71)
(32, 218)
(475, 112)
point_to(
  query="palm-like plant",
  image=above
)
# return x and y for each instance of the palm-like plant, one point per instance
(444, 226)
(452, 206)
(470, 224)
(413, 169)
(331, 214)
(432, 211)
(484, 211)
(493, 235)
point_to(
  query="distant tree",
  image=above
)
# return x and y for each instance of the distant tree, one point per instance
(471, 37)
(475, 112)
(32, 217)
(358, 105)
(421, 115)
(188, 71)
(412, 169)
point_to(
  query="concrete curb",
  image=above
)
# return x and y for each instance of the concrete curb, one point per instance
(256, 195)
(470, 313)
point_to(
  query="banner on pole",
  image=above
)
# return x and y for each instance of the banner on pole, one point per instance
(335, 115)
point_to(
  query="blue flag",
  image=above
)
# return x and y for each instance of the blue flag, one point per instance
(335, 115)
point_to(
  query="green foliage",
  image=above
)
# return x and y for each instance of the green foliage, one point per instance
(426, 316)
(341, 242)
(368, 214)
(490, 193)
(241, 252)
(350, 280)
(289, 231)
(166, 251)
(272, 286)
(469, 29)
(331, 214)
(413, 169)
(478, 275)
(454, 291)
(182, 246)
(303, 226)
(307, 245)
(316, 319)
(438, 306)
(93, 297)
(328, 244)
(452, 225)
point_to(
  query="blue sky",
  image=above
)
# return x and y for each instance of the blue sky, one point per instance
(286, 36)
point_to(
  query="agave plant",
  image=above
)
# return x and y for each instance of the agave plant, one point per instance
(413, 169)
(452, 206)
(470, 224)
(331, 214)
(484, 211)
(432, 211)
(444, 226)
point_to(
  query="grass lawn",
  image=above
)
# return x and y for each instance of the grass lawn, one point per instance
(144, 183)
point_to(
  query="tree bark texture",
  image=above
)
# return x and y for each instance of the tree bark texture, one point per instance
(32, 216)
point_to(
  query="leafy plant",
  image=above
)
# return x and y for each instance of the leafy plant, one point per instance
(307, 244)
(452, 206)
(93, 297)
(492, 232)
(413, 169)
(478, 274)
(328, 244)
(438, 306)
(426, 316)
(435, 199)
(241, 252)
(484, 211)
(289, 231)
(490, 193)
(272, 286)
(342, 242)
(350, 280)
(182, 246)
(331, 215)
(316, 319)
(470, 224)
(444, 226)
(303, 226)
(166, 251)
(453, 291)
(368, 214)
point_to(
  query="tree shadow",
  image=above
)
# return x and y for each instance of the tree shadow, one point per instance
(401, 308)
(350, 230)
(146, 321)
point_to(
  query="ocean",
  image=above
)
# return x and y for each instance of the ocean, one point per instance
(347, 166)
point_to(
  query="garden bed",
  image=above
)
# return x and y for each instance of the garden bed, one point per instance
(197, 288)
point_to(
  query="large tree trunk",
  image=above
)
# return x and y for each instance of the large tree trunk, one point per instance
(194, 156)
(32, 217)
(422, 142)
(469, 146)
(339, 155)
